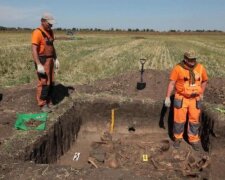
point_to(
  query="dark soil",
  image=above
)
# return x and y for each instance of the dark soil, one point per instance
(125, 85)
(156, 86)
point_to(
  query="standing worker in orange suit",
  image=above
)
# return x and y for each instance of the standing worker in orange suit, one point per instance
(189, 79)
(45, 59)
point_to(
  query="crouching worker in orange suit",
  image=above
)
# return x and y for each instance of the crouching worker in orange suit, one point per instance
(189, 79)
(45, 59)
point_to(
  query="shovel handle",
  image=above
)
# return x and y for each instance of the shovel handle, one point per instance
(142, 61)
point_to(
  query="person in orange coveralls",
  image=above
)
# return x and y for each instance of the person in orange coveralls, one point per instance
(45, 59)
(189, 79)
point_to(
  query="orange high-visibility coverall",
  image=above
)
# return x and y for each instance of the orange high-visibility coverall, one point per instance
(46, 52)
(187, 100)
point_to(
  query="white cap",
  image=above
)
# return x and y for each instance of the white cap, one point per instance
(49, 18)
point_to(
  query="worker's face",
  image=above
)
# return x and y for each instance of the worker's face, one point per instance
(46, 25)
(190, 62)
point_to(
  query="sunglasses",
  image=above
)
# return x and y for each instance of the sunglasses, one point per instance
(50, 24)
(191, 60)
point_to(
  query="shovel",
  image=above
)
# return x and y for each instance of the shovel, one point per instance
(141, 85)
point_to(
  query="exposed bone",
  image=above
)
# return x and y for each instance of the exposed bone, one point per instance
(91, 160)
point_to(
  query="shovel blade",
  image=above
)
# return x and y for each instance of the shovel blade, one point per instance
(141, 85)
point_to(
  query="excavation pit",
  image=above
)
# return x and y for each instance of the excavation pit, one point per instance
(84, 138)
(96, 147)
(111, 131)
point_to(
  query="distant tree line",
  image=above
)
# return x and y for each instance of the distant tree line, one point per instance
(2, 28)
(198, 30)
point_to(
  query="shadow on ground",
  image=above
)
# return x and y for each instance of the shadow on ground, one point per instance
(59, 92)
(169, 120)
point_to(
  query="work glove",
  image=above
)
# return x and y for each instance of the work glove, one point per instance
(56, 63)
(40, 69)
(201, 97)
(167, 102)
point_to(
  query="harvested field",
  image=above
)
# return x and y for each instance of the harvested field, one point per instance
(89, 57)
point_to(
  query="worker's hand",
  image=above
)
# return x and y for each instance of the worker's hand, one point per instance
(56, 62)
(201, 97)
(167, 102)
(40, 69)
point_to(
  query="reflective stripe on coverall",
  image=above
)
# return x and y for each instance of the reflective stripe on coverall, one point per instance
(45, 82)
(188, 102)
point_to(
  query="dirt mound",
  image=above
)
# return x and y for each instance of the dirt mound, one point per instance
(156, 86)
(125, 85)
(215, 91)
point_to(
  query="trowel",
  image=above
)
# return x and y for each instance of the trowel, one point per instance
(141, 85)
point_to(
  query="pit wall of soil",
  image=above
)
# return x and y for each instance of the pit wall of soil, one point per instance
(213, 126)
(58, 139)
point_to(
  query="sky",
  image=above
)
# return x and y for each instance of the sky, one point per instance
(161, 15)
